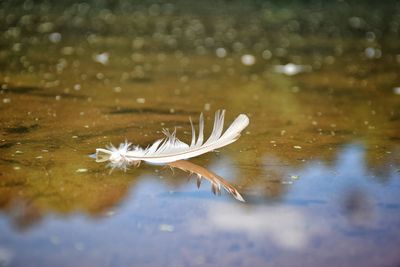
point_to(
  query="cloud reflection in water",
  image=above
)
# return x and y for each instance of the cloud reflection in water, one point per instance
(340, 197)
(287, 227)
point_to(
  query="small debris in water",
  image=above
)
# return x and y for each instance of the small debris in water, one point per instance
(17, 168)
(109, 213)
(166, 228)
(81, 170)
(45, 27)
(248, 60)
(396, 90)
(294, 177)
(100, 76)
(297, 147)
(357, 22)
(39, 157)
(102, 58)
(291, 69)
(55, 37)
(220, 52)
(141, 100)
(371, 52)
(207, 106)
(6, 100)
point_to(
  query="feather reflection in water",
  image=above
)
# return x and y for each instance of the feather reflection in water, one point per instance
(217, 182)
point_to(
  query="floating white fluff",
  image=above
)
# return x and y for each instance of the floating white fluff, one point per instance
(170, 148)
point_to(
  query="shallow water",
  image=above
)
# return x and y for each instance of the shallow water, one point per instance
(319, 164)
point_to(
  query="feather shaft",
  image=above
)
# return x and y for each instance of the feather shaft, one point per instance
(172, 149)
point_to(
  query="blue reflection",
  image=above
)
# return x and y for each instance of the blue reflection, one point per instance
(329, 206)
(348, 172)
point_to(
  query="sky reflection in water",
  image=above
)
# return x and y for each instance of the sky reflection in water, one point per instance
(327, 211)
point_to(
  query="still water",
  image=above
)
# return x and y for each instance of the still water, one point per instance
(318, 166)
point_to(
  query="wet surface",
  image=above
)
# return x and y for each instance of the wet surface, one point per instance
(319, 164)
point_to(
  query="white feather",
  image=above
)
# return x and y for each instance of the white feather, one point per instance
(171, 149)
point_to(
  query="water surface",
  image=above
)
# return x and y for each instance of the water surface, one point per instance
(319, 164)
